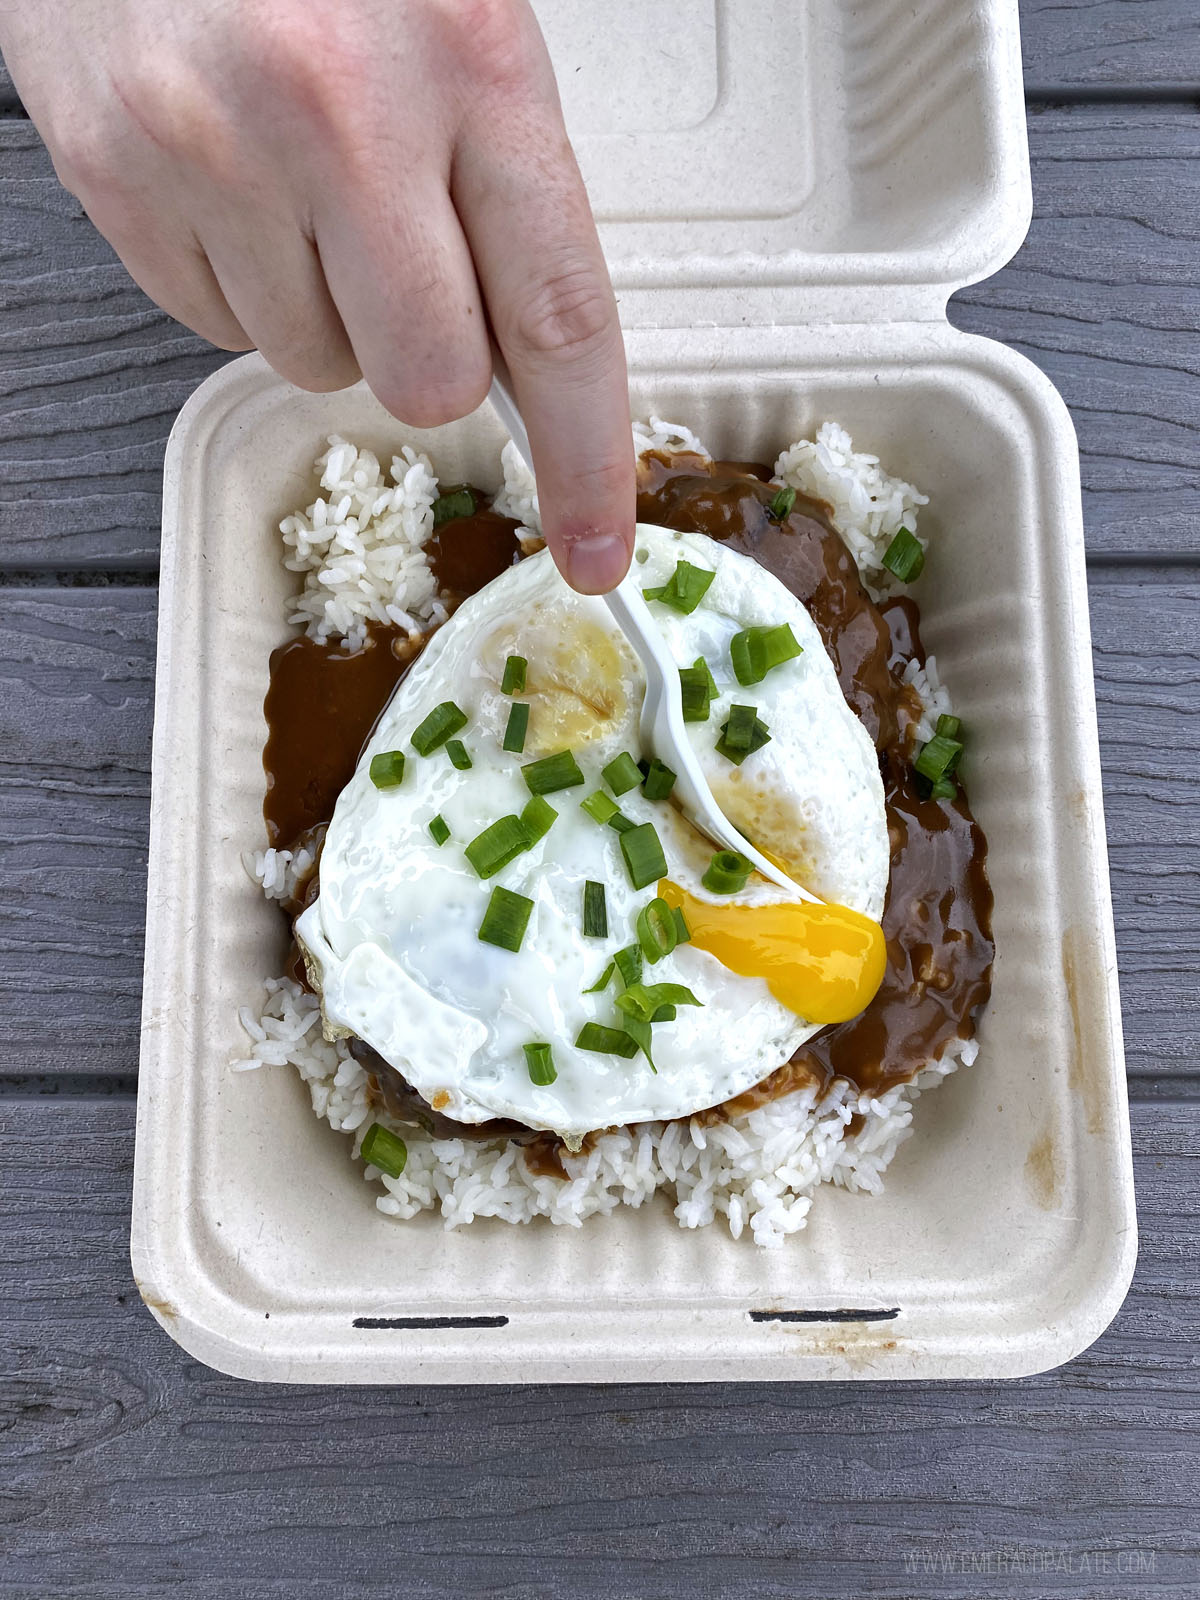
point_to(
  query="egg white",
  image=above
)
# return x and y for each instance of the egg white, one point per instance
(392, 937)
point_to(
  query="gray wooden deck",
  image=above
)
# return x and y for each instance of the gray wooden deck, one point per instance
(130, 1470)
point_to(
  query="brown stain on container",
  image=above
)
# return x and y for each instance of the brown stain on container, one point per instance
(1080, 1071)
(160, 1308)
(1042, 1171)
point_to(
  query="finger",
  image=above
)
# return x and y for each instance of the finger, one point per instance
(555, 317)
(274, 284)
(165, 260)
(401, 277)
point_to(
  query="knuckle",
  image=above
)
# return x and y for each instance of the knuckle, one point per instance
(568, 315)
(491, 40)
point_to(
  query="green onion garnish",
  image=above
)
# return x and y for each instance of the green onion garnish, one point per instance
(726, 873)
(595, 911)
(621, 774)
(658, 782)
(384, 1149)
(499, 843)
(938, 758)
(640, 1033)
(904, 556)
(602, 981)
(605, 1041)
(755, 651)
(457, 751)
(943, 789)
(948, 727)
(643, 852)
(783, 503)
(642, 1000)
(599, 807)
(665, 1014)
(387, 769)
(684, 589)
(437, 727)
(540, 1063)
(697, 688)
(751, 734)
(457, 501)
(656, 931)
(559, 771)
(505, 920)
(518, 726)
(628, 963)
(439, 830)
(514, 675)
(683, 934)
(538, 816)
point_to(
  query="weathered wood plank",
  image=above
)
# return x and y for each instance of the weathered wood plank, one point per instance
(1103, 296)
(1110, 44)
(130, 1465)
(76, 690)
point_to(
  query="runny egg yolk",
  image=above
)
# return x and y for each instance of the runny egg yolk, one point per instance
(823, 962)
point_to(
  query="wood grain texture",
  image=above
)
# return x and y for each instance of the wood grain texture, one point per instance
(76, 691)
(126, 1463)
(1105, 45)
(1103, 296)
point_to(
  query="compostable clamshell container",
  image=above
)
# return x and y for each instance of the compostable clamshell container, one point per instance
(788, 193)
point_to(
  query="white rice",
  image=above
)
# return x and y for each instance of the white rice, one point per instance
(360, 548)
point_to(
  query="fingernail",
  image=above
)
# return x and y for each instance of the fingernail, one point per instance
(596, 564)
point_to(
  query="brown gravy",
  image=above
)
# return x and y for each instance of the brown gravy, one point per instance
(322, 704)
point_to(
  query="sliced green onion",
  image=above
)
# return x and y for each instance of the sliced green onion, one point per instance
(437, 727)
(904, 556)
(640, 1033)
(943, 789)
(605, 1041)
(538, 816)
(599, 807)
(514, 675)
(595, 911)
(540, 1063)
(665, 1014)
(559, 771)
(643, 852)
(683, 934)
(499, 843)
(656, 931)
(439, 829)
(698, 689)
(739, 730)
(628, 963)
(384, 1149)
(457, 751)
(938, 758)
(659, 781)
(387, 769)
(755, 651)
(517, 727)
(726, 873)
(505, 920)
(603, 980)
(948, 727)
(783, 502)
(684, 589)
(642, 1000)
(457, 501)
(621, 774)
(757, 737)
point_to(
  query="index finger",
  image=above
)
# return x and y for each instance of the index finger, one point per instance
(525, 212)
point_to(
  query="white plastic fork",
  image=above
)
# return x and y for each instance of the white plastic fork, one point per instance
(662, 727)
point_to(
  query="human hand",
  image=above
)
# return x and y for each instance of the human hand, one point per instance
(349, 185)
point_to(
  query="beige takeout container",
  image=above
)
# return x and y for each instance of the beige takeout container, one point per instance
(788, 194)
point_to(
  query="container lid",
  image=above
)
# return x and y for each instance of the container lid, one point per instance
(771, 161)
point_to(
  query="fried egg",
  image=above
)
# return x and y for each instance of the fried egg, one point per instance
(392, 940)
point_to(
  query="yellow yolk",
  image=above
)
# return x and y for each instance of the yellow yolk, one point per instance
(823, 962)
